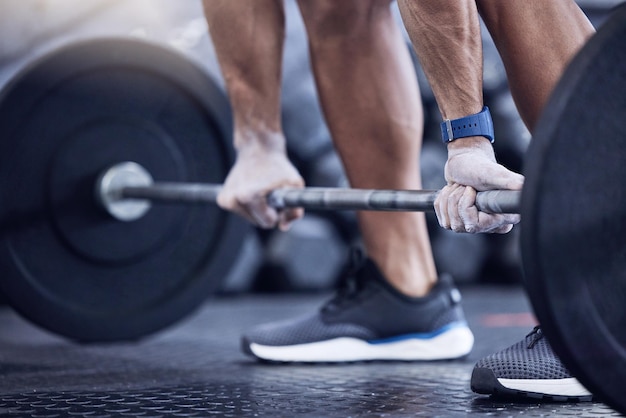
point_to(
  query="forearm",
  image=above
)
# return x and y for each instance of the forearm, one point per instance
(536, 39)
(248, 38)
(446, 37)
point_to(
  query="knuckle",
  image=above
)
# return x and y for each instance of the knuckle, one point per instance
(458, 228)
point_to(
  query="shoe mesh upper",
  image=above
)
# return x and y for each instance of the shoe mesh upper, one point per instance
(449, 316)
(305, 330)
(531, 358)
(366, 308)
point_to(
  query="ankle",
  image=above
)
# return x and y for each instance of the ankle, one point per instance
(410, 278)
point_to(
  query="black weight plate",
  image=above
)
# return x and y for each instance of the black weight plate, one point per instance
(66, 264)
(574, 215)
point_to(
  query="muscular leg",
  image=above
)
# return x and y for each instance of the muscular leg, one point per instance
(536, 39)
(372, 105)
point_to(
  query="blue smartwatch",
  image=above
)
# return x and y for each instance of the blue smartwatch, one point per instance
(479, 124)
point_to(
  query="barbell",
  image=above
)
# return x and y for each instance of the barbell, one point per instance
(96, 133)
(127, 189)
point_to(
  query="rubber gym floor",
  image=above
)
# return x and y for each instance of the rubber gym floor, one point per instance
(195, 368)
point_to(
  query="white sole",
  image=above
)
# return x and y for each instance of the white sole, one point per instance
(453, 343)
(554, 387)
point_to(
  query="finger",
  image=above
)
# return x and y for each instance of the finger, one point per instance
(490, 223)
(468, 210)
(264, 219)
(288, 216)
(226, 201)
(496, 176)
(441, 207)
(508, 221)
(456, 223)
(504, 229)
(512, 218)
(262, 214)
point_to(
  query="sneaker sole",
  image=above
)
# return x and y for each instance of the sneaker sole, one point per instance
(485, 382)
(451, 344)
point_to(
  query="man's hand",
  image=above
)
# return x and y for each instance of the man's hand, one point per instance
(256, 173)
(468, 170)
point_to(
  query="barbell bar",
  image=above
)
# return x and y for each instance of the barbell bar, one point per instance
(127, 189)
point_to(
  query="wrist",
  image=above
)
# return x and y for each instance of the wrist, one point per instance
(477, 124)
(478, 144)
(248, 140)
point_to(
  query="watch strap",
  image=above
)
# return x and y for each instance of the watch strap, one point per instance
(479, 124)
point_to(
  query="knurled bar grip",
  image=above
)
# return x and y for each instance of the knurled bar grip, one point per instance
(495, 201)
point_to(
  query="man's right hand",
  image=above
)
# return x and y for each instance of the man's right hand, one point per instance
(258, 171)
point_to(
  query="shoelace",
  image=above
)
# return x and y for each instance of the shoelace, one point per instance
(536, 335)
(351, 282)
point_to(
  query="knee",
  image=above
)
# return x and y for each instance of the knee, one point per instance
(330, 18)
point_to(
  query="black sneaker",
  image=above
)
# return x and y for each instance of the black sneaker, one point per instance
(528, 369)
(369, 320)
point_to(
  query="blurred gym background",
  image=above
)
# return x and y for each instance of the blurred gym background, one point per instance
(311, 256)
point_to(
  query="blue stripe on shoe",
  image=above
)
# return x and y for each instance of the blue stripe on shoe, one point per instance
(420, 335)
